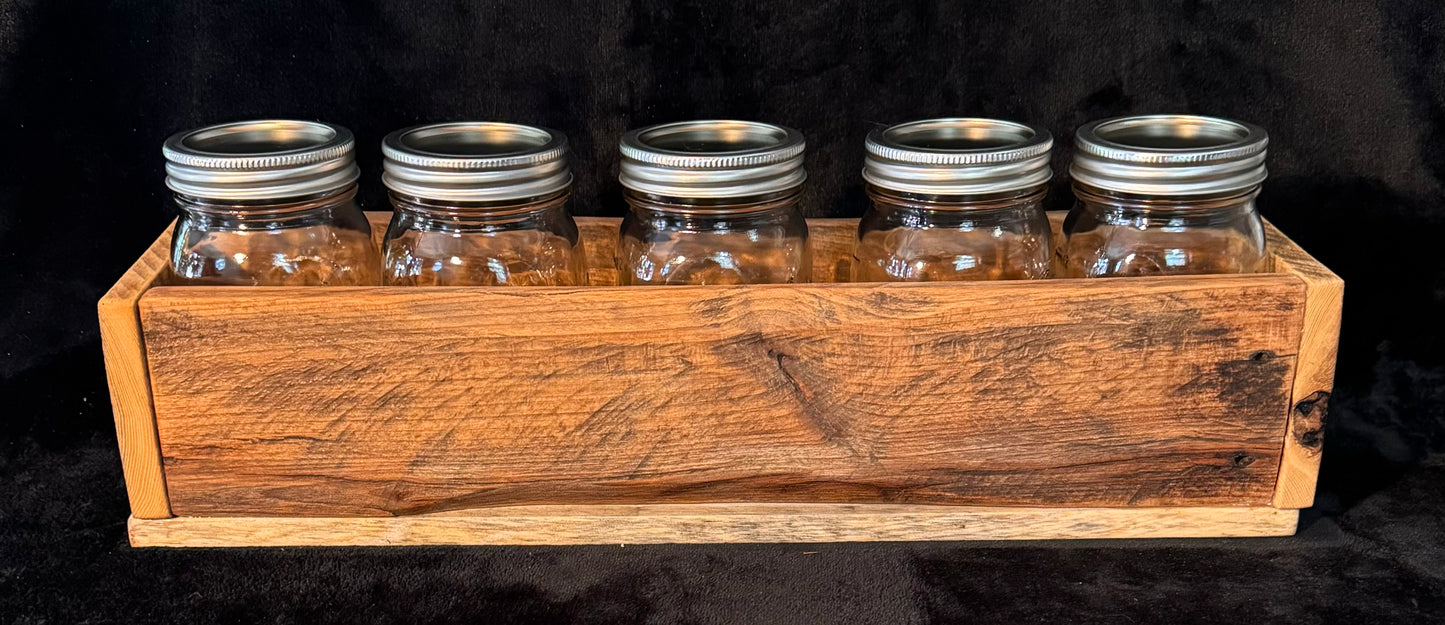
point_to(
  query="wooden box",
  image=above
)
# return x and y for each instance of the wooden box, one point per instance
(1142, 407)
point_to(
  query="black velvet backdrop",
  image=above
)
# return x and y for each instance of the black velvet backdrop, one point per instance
(1352, 93)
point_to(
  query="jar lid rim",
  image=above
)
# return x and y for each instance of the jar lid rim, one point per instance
(475, 161)
(713, 158)
(260, 159)
(215, 146)
(988, 141)
(757, 143)
(1170, 154)
(958, 156)
(1201, 138)
(418, 145)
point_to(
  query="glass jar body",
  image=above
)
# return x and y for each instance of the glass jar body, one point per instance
(523, 243)
(905, 237)
(318, 241)
(761, 240)
(1109, 234)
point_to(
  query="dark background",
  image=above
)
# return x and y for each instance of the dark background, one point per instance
(1352, 93)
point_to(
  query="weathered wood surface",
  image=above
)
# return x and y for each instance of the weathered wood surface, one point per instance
(714, 523)
(1315, 371)
(398, 401)
(130, 393)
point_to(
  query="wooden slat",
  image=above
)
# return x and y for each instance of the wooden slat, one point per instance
(831, 242)
(395, 401)
(1315, 371)
(130, 392)
(715, 523)
(599, 240)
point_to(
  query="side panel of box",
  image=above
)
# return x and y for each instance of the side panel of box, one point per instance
(377, 401)
(1315, 372)
(130, 393)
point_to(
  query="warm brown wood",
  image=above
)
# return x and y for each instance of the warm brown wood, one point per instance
(378, 221)
(831, 242)
(130, 393)
(1314, 374)
(599, 240)
(395, 401)
(714, 523)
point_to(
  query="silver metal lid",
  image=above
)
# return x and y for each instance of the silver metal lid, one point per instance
(260, 160)
(958, 156)
(475, 161)
(1169, 155)
(712, 159)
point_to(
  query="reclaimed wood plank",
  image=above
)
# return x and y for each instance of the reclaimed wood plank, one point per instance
(397, 401)
(1314, 374)
(122, 343)
(715, 523)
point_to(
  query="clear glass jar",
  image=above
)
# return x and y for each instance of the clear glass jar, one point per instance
(713, 202)
(480, 204)
(268, 203)
(955, 199)
(532, 243)
(1112, 234)
(1165, 195)
(758, 240)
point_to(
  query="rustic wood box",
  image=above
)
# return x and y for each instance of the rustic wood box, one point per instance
(1145, 407)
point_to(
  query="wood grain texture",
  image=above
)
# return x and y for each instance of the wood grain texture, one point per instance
(599, 241)
(399, 401)
(1314, 375)
(715, 523)
(130, 393)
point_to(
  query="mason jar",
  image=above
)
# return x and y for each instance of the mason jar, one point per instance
(268, 203)
(1165, 195)
(713, 202)
(480, 204)
(955, 199)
